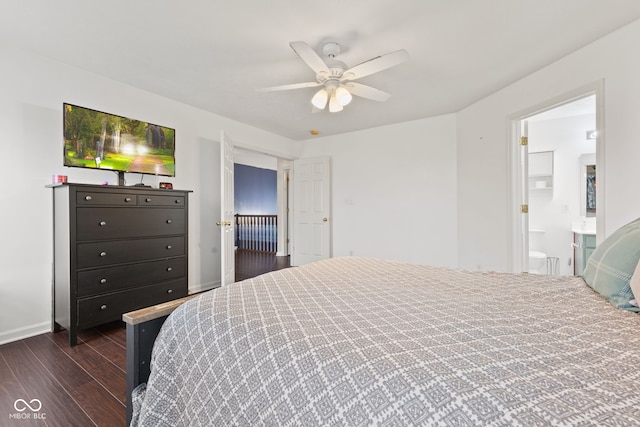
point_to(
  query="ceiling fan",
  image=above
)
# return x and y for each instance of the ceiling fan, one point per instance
(336, 79)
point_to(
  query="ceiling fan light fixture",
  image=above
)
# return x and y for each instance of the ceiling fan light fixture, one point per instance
(335, 79)
(343, 95)
(320, 99)
(334, 104)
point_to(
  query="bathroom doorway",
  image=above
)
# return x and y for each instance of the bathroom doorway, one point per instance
(556, 185)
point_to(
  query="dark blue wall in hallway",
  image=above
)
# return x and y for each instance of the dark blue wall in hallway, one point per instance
(255, 190)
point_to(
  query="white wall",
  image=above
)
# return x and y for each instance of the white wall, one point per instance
(483, 164)
(252, 158)
(394, 190)
(33, 89)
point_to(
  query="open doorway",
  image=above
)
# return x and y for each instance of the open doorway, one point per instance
(557, 171)
(261, 213)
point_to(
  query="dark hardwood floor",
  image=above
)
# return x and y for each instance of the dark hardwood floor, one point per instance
(83, 385)
(250, 264)
(75, 386)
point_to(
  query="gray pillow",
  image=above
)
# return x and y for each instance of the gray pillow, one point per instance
(634, 284)
(612, 263)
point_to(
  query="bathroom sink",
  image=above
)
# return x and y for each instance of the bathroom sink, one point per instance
(588, 227)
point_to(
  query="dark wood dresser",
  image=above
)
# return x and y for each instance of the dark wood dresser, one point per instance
(116, 249)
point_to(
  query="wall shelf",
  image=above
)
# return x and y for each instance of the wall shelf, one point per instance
(541, 173)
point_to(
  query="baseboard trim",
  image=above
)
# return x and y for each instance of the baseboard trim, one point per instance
(204, 287)
(25, 332)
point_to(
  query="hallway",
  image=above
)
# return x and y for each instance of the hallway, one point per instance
(250, 264)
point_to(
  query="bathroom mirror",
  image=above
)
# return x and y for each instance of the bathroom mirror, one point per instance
(588, 185)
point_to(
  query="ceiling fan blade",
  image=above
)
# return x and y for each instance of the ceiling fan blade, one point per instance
(376, 64)
(368, 92)
(291, 86)
(310, 57)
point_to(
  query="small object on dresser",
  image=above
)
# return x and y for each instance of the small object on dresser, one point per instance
(59, 179)
(166, 185)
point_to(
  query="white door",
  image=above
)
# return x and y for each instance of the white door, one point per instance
(524, 190)
(227, 220)
(311, 210)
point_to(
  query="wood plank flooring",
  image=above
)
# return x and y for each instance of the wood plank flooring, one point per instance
(83, 385)
(76, 386)
(250, 264)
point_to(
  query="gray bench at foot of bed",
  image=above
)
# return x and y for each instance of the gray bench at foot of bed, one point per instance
(142, 328)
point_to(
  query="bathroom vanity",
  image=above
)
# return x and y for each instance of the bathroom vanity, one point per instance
(584, 242)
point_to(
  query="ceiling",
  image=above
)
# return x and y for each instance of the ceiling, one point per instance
(215, 54)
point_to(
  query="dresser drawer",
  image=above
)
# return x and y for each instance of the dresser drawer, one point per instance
(98, 198)
(119, 223)
(109, 307)
(160, 200)
(111, 252)
(110, 279)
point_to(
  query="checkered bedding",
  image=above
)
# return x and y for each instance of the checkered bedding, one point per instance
(361, 342)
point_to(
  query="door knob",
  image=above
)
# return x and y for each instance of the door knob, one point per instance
(325, 219)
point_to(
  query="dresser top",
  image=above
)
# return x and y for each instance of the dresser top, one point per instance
(113, 187)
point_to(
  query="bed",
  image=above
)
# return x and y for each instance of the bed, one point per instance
(358, 342)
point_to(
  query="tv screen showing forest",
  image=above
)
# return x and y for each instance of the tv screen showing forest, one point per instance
(93, 139)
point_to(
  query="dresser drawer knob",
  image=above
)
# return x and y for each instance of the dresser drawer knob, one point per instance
(103, 254)
(103, 281)
(87, 198)
(169, 247)
(127, 199)
(169, 221)
(148, 200)
(177, 201)
(169, 291)
(103, 223)
(169, 269)
(103, 307)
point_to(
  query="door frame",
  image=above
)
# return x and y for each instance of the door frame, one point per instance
(517, 239)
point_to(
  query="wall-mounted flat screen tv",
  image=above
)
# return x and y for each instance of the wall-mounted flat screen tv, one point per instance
(97, 140)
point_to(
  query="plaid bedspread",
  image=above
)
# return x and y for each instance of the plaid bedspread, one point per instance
(363, 342)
